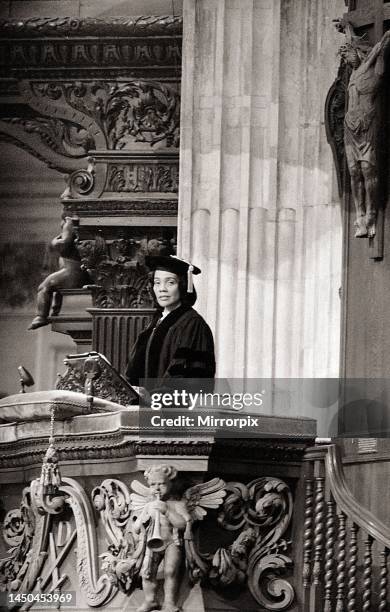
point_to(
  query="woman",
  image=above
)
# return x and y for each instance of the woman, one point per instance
(179, 343)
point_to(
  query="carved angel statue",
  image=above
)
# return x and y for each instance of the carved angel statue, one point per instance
(158, 532)
(69, 276)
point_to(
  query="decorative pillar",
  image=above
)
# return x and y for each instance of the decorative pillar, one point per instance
(258, 203)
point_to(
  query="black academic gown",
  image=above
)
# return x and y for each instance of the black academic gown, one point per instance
(179, 346)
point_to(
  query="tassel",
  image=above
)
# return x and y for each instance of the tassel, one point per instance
(50, 478)
(190, 284)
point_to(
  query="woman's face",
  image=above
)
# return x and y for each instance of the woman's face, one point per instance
(166, 289)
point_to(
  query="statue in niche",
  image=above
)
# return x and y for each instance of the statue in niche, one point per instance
(361, 124)
(69, 276)
(158, 532)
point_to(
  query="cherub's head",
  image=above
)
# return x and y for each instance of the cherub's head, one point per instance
(159, 479)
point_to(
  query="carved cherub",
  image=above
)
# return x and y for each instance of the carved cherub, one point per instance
(162, 522)
(69, 276)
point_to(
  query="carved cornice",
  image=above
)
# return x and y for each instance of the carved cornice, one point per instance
(69, 45)
(66, 27)
(23, 453)
(118, 208)
(277, 450)
(95, 446)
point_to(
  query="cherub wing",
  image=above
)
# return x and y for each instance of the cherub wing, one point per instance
(203, 496)
(140, 497)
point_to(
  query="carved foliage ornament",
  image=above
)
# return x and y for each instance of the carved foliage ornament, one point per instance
(42, 535)
(120, 278)
(258, 514)
(141, 527)
(139, 111)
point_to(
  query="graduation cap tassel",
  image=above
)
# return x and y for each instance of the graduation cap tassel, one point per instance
(190, 284)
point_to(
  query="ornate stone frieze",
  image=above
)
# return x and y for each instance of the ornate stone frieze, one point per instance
(117, 115)
(97, 447)
(117, 208)
(141, 27)
(69, 45)
(142, 178)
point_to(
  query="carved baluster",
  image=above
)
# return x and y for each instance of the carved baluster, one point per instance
(352, 562)
(341, 563)
(308, 533)
(367, 574)
(383, 581)
(329, 546)
(319, 528)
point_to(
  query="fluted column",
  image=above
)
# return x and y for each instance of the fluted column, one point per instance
(258, 206)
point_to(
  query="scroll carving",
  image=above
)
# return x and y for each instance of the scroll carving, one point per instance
(31, 533)
(257, 515)
(18, 532)
(262, 512)
(138, 111)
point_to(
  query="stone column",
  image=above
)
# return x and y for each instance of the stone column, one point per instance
(258, 203)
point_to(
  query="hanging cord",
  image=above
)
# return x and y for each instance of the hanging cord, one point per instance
(50, 478)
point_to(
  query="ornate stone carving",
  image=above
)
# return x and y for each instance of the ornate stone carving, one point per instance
(60, 136)
(151, 524)
(68, 45)
(259, 513)
(18, 531)
(135, 112)
(120, 278)
(30, 566)
(143, 178)
(119, 208)
(98, 447)
(143, 26)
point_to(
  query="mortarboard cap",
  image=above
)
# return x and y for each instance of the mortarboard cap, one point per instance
(173, 264)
